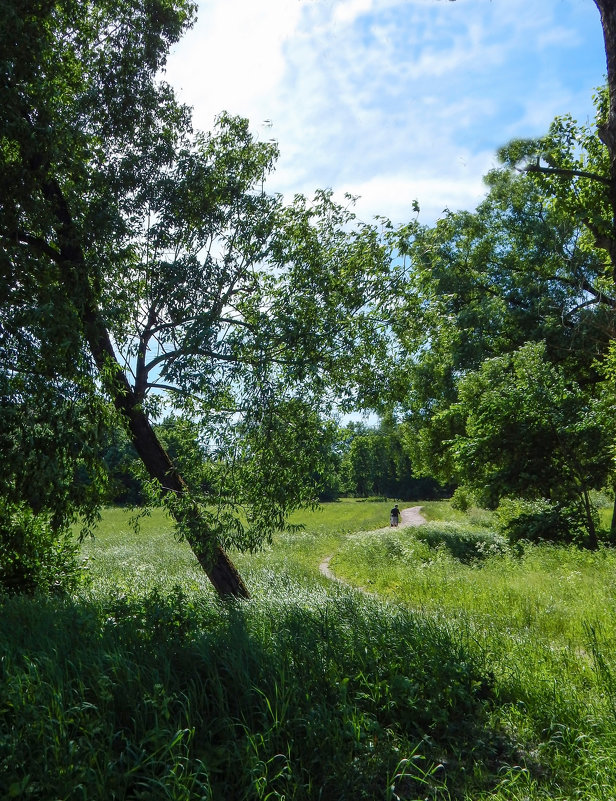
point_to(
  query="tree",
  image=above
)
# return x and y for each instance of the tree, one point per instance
(375, 461)
(123, 469)
(521, 269)
(152, 262)
(483, 283)
(530, 431)
(576, 166)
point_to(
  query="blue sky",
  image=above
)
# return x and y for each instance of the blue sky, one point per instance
(387, 99)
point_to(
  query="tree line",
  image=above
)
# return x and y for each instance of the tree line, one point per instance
(358, 460)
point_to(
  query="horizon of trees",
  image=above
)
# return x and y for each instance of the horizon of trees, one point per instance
(360, 461)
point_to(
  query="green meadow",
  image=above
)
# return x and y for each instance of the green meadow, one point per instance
(441, 665)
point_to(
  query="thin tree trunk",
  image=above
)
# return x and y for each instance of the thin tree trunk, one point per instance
(212, 557)
(613, 524)
(593, 542)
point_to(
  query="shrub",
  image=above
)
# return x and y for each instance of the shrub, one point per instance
(34, 556)
(539, 520)
(462, 499)
(464, 543)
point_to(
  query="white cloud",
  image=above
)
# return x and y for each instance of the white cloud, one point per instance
(459, 186)
(348, 11)
(233, 58)
(390, 99)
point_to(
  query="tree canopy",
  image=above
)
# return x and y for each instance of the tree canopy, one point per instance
(519, 283)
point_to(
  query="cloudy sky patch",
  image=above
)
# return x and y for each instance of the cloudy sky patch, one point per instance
(394, 100)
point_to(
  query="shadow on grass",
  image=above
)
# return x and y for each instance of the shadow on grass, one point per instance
(304, 696)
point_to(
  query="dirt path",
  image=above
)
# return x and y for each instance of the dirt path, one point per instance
(408, 517)
(412, 516)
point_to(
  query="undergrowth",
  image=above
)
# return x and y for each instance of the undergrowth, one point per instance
(300, 694)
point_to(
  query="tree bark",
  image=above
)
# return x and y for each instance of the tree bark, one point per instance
(607, 10)
(593, 542)
(211, 556)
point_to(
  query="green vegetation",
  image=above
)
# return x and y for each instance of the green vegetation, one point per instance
(146, 268)
(471, 658)
(138, 689)
(475, 678)
(542, 622)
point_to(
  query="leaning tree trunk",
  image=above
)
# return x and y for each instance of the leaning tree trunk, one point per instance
(70, 259)
(212, 557)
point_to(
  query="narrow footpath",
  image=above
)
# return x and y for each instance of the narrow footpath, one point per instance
(408, 517)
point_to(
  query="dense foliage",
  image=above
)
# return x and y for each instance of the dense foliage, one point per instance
(375, 462)
(510, 314)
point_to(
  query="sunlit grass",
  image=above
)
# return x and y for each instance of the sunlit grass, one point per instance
(137, 689)
(469, 671)
(130, 552)
(544, 620)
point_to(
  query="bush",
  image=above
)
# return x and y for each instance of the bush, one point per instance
(462, 542)
(34, 556)
(462, 499)
(539, 520)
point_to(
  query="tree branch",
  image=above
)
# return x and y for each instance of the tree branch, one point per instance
(568, 173)
(39, 244)
(584, 285)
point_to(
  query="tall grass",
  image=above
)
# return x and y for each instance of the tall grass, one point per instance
(544, 622)
(467, 672)
(304, 693)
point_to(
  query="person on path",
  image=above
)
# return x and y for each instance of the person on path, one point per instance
(394, 516)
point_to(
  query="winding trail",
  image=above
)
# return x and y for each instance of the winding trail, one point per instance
(408, 517)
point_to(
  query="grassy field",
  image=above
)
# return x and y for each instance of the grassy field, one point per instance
(462, 670)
